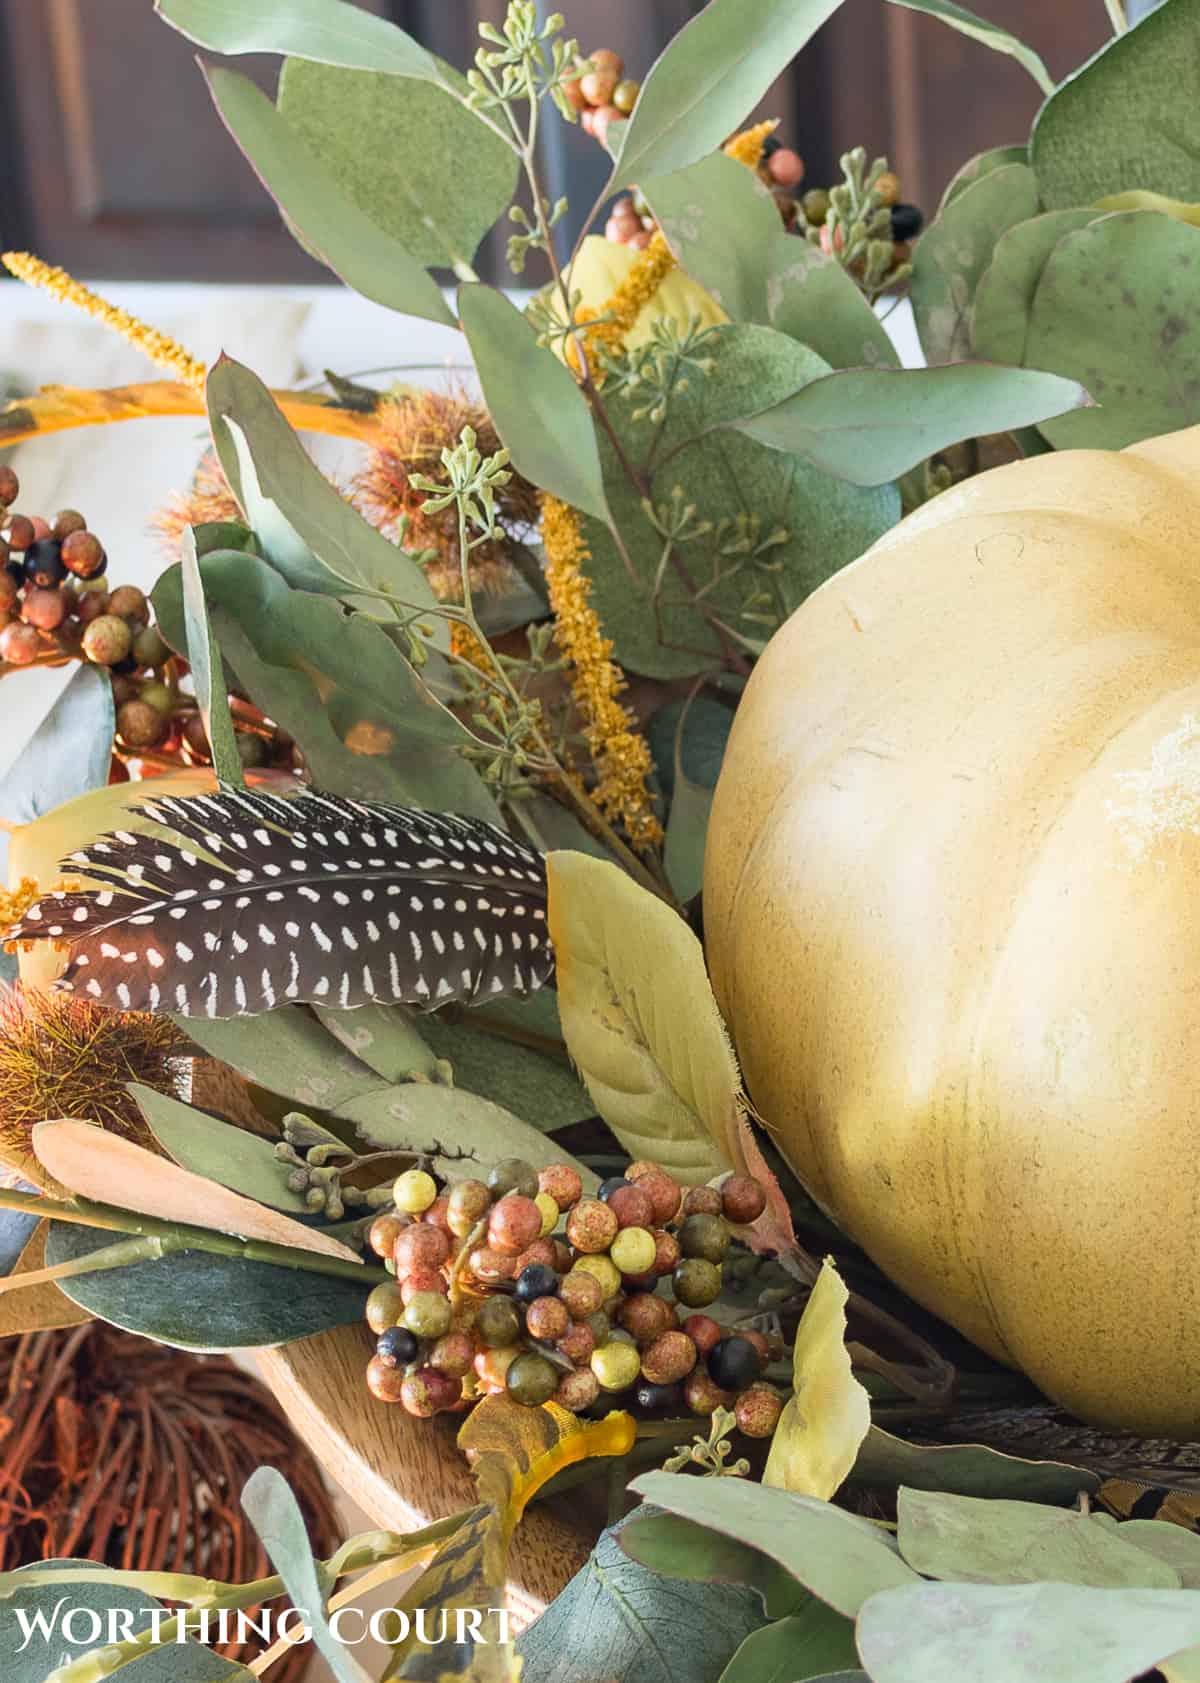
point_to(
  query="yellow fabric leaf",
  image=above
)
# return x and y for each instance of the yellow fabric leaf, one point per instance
(59, 408)
(822, 1425)
(40, 1308)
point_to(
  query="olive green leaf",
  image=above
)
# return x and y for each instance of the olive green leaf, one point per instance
(1115, 305)
(204, 658)
(681, 1548)
(991, 35)
(328, 31)
(967, 1469)
(338, 683)
(716, 216)
(275, 1514)
(539, 411)
(329, 224)
(826, 1419)
(802, 1646)
(288, 486)
(688, 741)
(400, 180)
(955, 250)
(640, 1020)
(812, 298)
(840, 1558)
(871, 425)
(288, 1052)
(983, 163)
(999, 1633)
(462, 1133)
(1126, 119)
(538, 1086)
(985, 1541)
(231, 1156)
(383, 1037)
(709, 76)
(620, 1623)
(196, 1300)
(1004, 298)
(1175, 1545)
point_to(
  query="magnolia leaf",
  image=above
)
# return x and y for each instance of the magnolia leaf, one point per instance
(983, 163)
(708, 77)
(540, 412)
(354, 554)
(399, 181)
(838, 1557)
(513, 1452)
(617, 1622)
(791, 1650)
(954, 251)
(968, 1469)
(810, 297)
(327, 31)
(196, 1300)
(1115, 299)
(640, 1020)
(289, 1052)
(204, 658)
(383, 1037)
(1124, 119)
(38, 1308)
(825, 1421)
(217, 1150)
(462, 1133)
(979, 29)
(275, 1515)
(1023, 1633)
(717, 217)
(329, 224)
(870, 426)
(679, 1548)
(108, 1169)
(1004, 298)
(974, 1540)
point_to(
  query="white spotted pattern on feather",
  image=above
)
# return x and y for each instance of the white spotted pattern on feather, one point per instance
(259, 902)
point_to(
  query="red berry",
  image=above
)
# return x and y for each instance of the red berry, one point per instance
(90, 605)
(547, 1319)
(453, 1354)
(421, 1246)
(21, 531)
(631, 1206)
(83, 554)
(515, 1222)
(702, 1394)
(385, 1230)
(563, 1184)
(666, 1250)
(44, 608)
(10, 486)
(757, 1411)
(129, 602)
(670, 1358)
(592, 1226)
(541, 1251)
(577, 1391)
(66, 521)
(577, 1343)
(19, 644)
(665, 1195)
(597, 87)
(742, 1199)
(646, 1316)
(604, 58)
(466, 1202)
(385, 1381)
(703, 1331)
(601, 118)
(786, 167)
(582, 1293)
(489, 1266)
(421, 1280)
(437, 1214)
(574, 94)
(702, 1200)
(428, 1391)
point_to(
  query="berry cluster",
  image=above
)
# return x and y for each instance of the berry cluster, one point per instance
(602, 93)
(521, 1284)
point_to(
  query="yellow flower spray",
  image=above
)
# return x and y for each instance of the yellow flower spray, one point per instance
(166, 352)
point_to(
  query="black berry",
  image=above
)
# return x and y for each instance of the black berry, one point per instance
(396, 1347)
(660, 1398)
(734, 1363)
(907, 222)
(44, 563)
(538, 1280)
(611, 1185)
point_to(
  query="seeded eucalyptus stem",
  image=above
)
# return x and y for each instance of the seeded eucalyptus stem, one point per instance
(169, 1238)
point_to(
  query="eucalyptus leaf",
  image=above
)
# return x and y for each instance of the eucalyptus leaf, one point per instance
(384, 1037)
(462, 1133)
(69, 752)
(953, 253)
(1004, 298)
(16, 1229)
(718, 219)
(337, 682)
(539, 411)
(802, 1646)
(331, 225)
(687, 828)
(679, 1548)
(204, 658)
(538, 1087)
(1174, 1544)
(231, 1156)
(689, 735)
(989, 1541)
(708, 77)
(810, 297)
(616, 1622)
(870, 426)
(327, 31)
(1116, 299)
(967, 1469)
(838, 1557)
(198, 1301)
(1126, 118)
(983, 163)
(352, 553)
(290, 1053)
(990, 34)
(1023, 1633)
(400, 181)
(275, 1515)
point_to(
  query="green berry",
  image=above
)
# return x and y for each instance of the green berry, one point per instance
(513, 1174)
(107, 640)
(633, 1250)
(497, 1322)
(149, 649)
(704, 1236)
(697, 1282)
(427, 1315)
(531, 1380)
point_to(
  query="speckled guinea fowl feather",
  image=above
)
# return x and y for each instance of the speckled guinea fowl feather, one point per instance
(257, 901)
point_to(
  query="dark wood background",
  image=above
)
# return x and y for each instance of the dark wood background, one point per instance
(114, 164)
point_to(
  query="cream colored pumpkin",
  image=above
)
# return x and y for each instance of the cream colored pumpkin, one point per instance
(952, 908)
